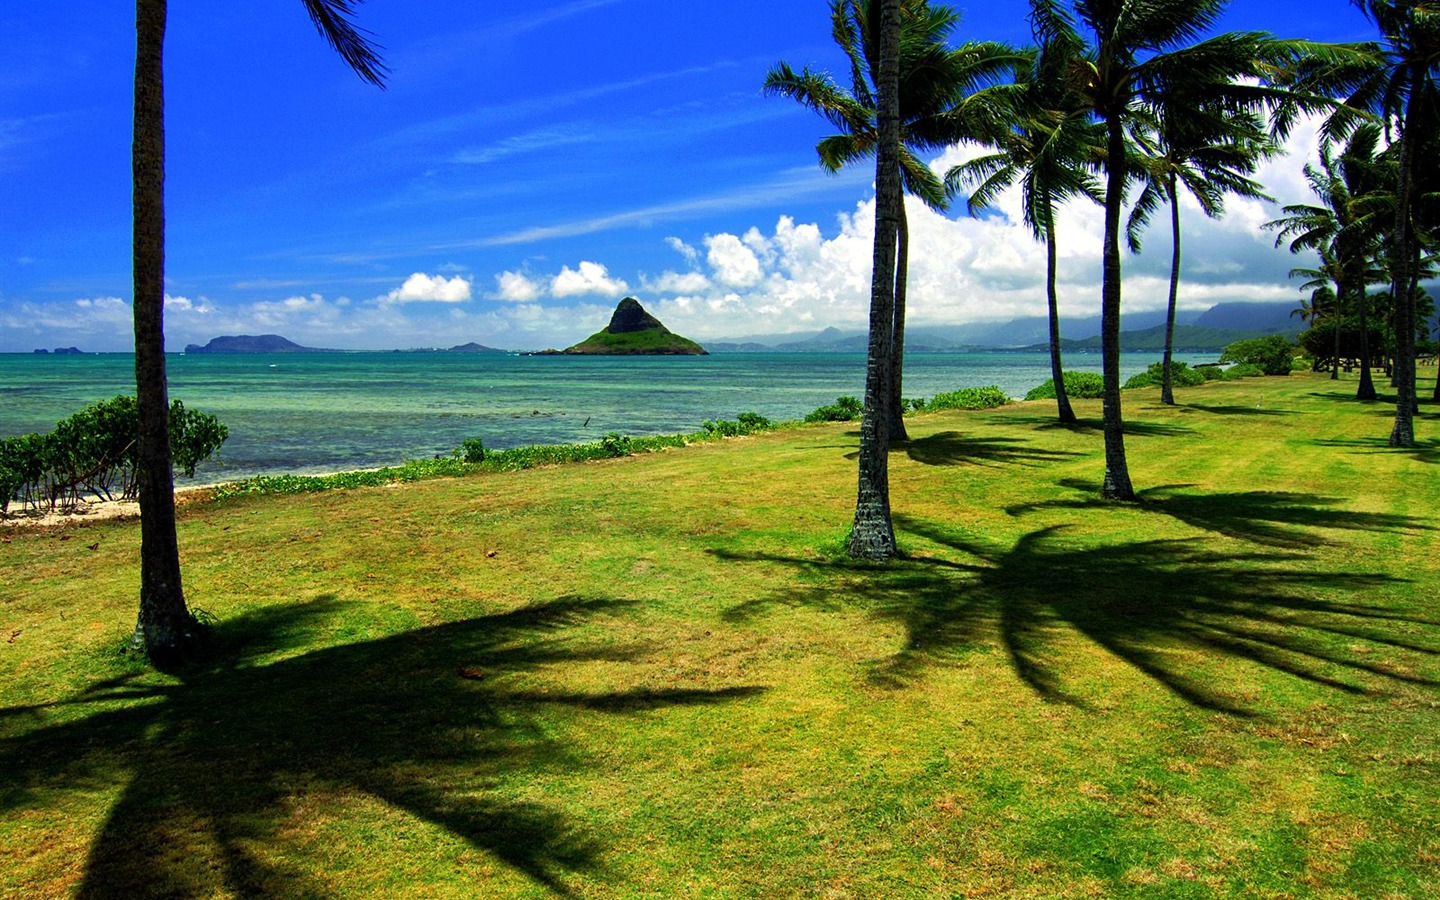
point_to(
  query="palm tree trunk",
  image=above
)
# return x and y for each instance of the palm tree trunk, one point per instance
(1057, 372)
(873, 534)
(164, 626)
(1339, 319)
(1366, 390)
(1167, 384)
(1117, 473)
(897, 362)
(1403, 432)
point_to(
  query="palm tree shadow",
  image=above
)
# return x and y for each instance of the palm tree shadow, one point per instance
(952, 448)
(1179, 614)
(1234, 410)
(429, 722)
(1095, 426)
(1423, 451)
(1273, 518)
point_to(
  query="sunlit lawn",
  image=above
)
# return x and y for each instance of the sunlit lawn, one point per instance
(657, 676)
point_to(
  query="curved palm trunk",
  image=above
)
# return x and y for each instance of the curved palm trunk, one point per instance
(873, 534)
(1057, 372)
(1403, 432)
(897, 362)
(1117, 473)
(164, 627)
(1167, 383)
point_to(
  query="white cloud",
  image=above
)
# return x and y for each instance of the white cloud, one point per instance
(590, 278)
(517, 288)
(422, 288)
(692, 256)
(677, 283)
(734, 263)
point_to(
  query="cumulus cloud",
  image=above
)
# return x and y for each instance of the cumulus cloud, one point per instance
(677, 283)
(517, 288)
(734, 263)
(422, 288)
(589, 279)
(692, 256)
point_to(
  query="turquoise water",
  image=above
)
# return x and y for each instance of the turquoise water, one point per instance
(324, 412)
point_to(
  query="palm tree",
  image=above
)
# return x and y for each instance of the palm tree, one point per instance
(165, 627)
(1050, 153)
(873, 534)
(1211, 151)
(1137, 60)
(1342, 230)
(935, 84)
(1403, 90)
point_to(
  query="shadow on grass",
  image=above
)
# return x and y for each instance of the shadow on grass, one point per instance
(952, 448)
(1273, 518)
(1096, 426)
(1177, 613)
(1233, 410)
(219, 768)
(1423, 451)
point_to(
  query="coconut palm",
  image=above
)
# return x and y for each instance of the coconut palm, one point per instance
(1141, 58)
(937, 85)
(1344, 229)
(165, 627)
(873, 534)
(1209, 150)
(1051, 153)
(1402, 89)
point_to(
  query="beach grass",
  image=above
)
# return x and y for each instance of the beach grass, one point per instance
(658, 675)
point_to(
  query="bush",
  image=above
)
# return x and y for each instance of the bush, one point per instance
(95, 451)
(1078, 386)
(1273, 354)
(987, 397)
(844, 409)
(1243, 370)
(1181, 375)
(747, 423)
(1211, 371)
(472, 450)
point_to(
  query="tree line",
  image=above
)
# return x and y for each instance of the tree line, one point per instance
(1122, 99)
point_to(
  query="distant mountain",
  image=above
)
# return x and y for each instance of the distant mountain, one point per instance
(251, 343)
(1245, 320)
(634, 332)
(1188, 339)
(473, 347)
(62, 351)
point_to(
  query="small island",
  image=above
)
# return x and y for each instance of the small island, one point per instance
(634, 332)
(251, 343)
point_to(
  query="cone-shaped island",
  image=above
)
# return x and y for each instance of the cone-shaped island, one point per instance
(633, 331)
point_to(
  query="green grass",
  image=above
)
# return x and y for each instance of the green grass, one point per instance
(657, 676)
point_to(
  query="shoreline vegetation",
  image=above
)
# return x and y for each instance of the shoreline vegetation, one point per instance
(661, 673)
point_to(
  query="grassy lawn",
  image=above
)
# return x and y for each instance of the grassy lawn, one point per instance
(657, 676)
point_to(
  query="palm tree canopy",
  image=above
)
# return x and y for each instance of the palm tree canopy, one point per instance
(332, 19)
(936, 83)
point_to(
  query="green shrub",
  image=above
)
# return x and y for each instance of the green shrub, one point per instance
(987, 397)
(472, 450)
(96, 451)
(1243, 370)
(615, 444)
(912, 405)
(747, 423)
(1181, 375)
(1272, 353)
(844, 409)
(1078, 386)
(1211, 371)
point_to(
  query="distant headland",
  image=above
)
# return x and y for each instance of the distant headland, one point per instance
(632, 332)
(274, 343)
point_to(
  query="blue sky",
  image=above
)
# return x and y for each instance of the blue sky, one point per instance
(528, 165)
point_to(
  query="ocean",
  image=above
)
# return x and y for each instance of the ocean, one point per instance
(326, 412)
